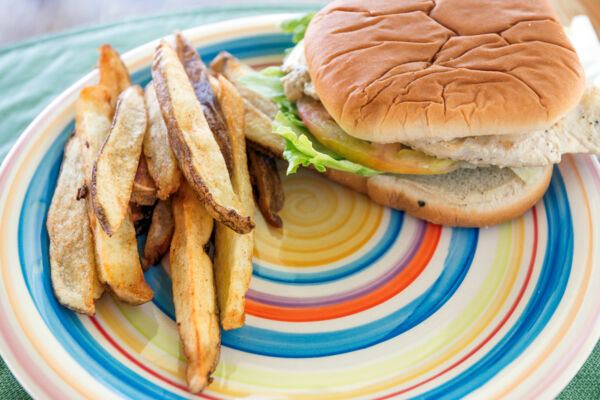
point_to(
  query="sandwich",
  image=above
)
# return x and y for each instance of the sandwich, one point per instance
(452, 111)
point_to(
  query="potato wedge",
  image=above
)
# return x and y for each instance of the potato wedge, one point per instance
(260, 110)
(233, 251)
(267, 185)
(144, 189)
(117, 162)
(159, 234)
(114, 76)
(233, 68)
(258, 130)
(72, 262)
(93, 117)
(196, 71)
(118, 263)
(141, 216)
(193, 288)
(193, 143)
(161, 161)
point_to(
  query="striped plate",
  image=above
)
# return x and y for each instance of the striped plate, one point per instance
(349, 300)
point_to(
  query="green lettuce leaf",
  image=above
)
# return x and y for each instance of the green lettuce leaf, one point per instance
(297, 26)
(303, 149)
(301, 146)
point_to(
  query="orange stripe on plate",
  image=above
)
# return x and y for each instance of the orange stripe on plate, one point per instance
(387, 291)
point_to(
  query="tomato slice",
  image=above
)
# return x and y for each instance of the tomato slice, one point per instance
(392, 157)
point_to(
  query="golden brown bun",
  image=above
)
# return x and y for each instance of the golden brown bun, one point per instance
(468, 198)
(390, 71)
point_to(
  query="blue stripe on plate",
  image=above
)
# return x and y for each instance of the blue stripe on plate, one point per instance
(541, 306)
(461, 250)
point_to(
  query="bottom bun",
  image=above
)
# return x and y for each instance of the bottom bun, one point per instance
(470, 197)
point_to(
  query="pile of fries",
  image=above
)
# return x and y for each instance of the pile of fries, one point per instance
(170, 160)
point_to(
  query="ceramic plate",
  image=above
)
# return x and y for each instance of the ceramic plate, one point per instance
(349, 300)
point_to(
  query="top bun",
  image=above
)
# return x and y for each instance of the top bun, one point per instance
(390, 71)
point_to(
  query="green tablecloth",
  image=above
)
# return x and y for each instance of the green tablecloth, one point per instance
(32, 73)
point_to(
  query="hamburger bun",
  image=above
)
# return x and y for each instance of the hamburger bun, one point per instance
(393, 71)
(477, 197)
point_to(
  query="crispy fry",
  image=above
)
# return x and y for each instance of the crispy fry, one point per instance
(193, 288)
(161, 161)
(196, 71)
(72, 262)
(233, 252)
(257, 128)
(159, 234)
(268, 189)
(193, 144)
(118, 254)
(118, 263)
(144, 188)
(141, 216)
(117, 162)
(93, 117)
(114, 76)
(260, 110)
(233, 69)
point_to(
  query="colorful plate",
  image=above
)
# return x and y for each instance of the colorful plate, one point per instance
(350, 300)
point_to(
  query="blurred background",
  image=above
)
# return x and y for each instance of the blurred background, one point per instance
(23, 19)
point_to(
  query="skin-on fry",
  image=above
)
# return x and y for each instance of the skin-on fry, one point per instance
(267, 185)
(118, 263)
(193, 144)
(161, 161)
(193, 288)
(159, 234)
(114, 76)
(116, 255)
(72, 262)
(144, 188)
(93, 117)
(233, 68)
(117, 162)
(196, 71)
(233, 252)
(260, 110)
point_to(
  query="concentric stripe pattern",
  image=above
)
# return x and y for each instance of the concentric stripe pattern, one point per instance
(350, 299)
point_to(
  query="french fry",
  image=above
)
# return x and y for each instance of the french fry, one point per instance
(233, 251)
(115, 256)
(193, 288)
(196, 71)
(159, 234)
(114, 76)
(260, 110)
(267, 185)
(118, 263)
(193, 144)
(257, 127)
(233, 68)
(72, 262)
(93, 117)
(117, 162)
(144, 189)
(141, 216)
(161, 161)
